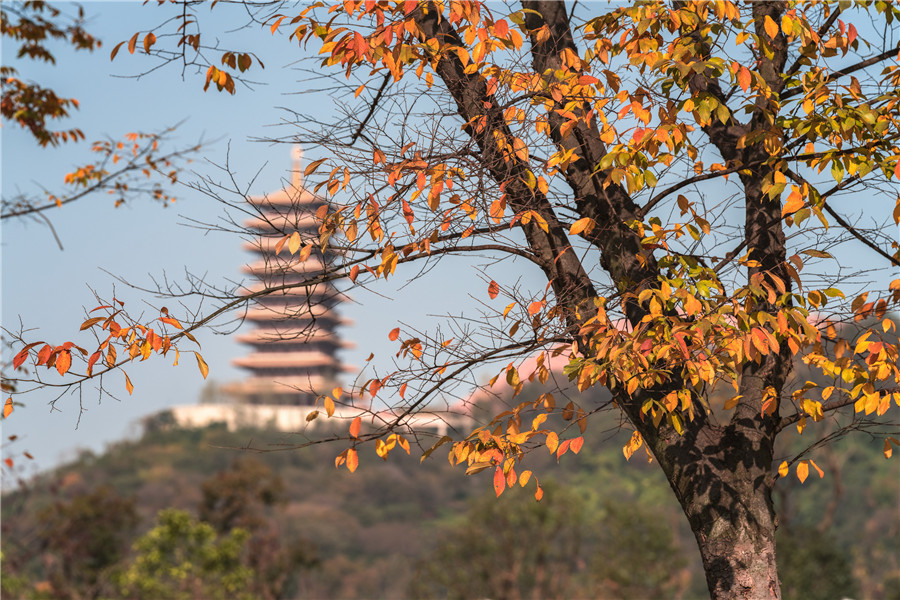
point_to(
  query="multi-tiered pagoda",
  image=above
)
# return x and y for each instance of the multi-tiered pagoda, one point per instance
(293, 341)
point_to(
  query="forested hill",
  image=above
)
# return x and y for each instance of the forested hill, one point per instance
(287, 524)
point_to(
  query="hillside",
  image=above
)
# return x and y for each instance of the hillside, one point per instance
(399, 529)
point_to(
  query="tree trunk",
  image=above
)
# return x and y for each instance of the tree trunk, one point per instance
(724, 486)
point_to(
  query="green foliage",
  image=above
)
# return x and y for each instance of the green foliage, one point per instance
(812, 565)
(183, 559)
(558, 548)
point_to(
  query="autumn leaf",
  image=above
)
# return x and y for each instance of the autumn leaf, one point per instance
(63, 362)
(493, 289)
(355, 427)
(201, 364)
(329, 406)
(352, 460)
(394, 334)
(499, 481)
(8, 408)
(294, 243)
(802, 471)
(585, 225)
(128, 384)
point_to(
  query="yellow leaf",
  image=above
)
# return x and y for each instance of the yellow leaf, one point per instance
(294, 243)
(552, 442)
(732, 402)
(8, 408)
(888, 450)
(337, 392)
(633, 445)
(128, 385)
(201, 364)
(783, 469)
(329, 406)
(312, 415)
(802, 471)
(524, 477)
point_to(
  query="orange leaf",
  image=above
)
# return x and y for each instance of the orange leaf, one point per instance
(201, 364)
(128, 385)
(9, 462)
(499, 481)
(132, 43)
(149, 40)
(394, 334)
(63, 362)
(493, 289)
(793, 203)
(586, 225)
(352, 460)
(329, 406)
(8, 408)
(802, 471)
(575, 445)
(744, 77)
(535, 307)
(770, 26)
(539, 493)
(355, 426)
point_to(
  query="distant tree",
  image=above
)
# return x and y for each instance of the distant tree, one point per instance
(243, 496)
(184, 559)
(84, 538)
(813, 566)
(516, 548)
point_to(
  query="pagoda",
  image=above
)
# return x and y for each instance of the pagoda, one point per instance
(294, 345)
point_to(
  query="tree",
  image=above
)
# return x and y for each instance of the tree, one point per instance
(675, 172)
(84, 539)
(182, 558)
(518, 548)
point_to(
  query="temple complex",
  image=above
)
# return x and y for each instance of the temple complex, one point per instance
(293, 342)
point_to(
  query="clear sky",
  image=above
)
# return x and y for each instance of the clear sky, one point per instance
(49, 289)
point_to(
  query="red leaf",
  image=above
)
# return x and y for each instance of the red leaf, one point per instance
(499, 481)
(493, 289)
(354, 427)
(394, 334)
(501, 29)
(9, 462)
(44, 354)
(20, 358)
(94, 358)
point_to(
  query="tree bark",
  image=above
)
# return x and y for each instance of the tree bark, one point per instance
(721, 476)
